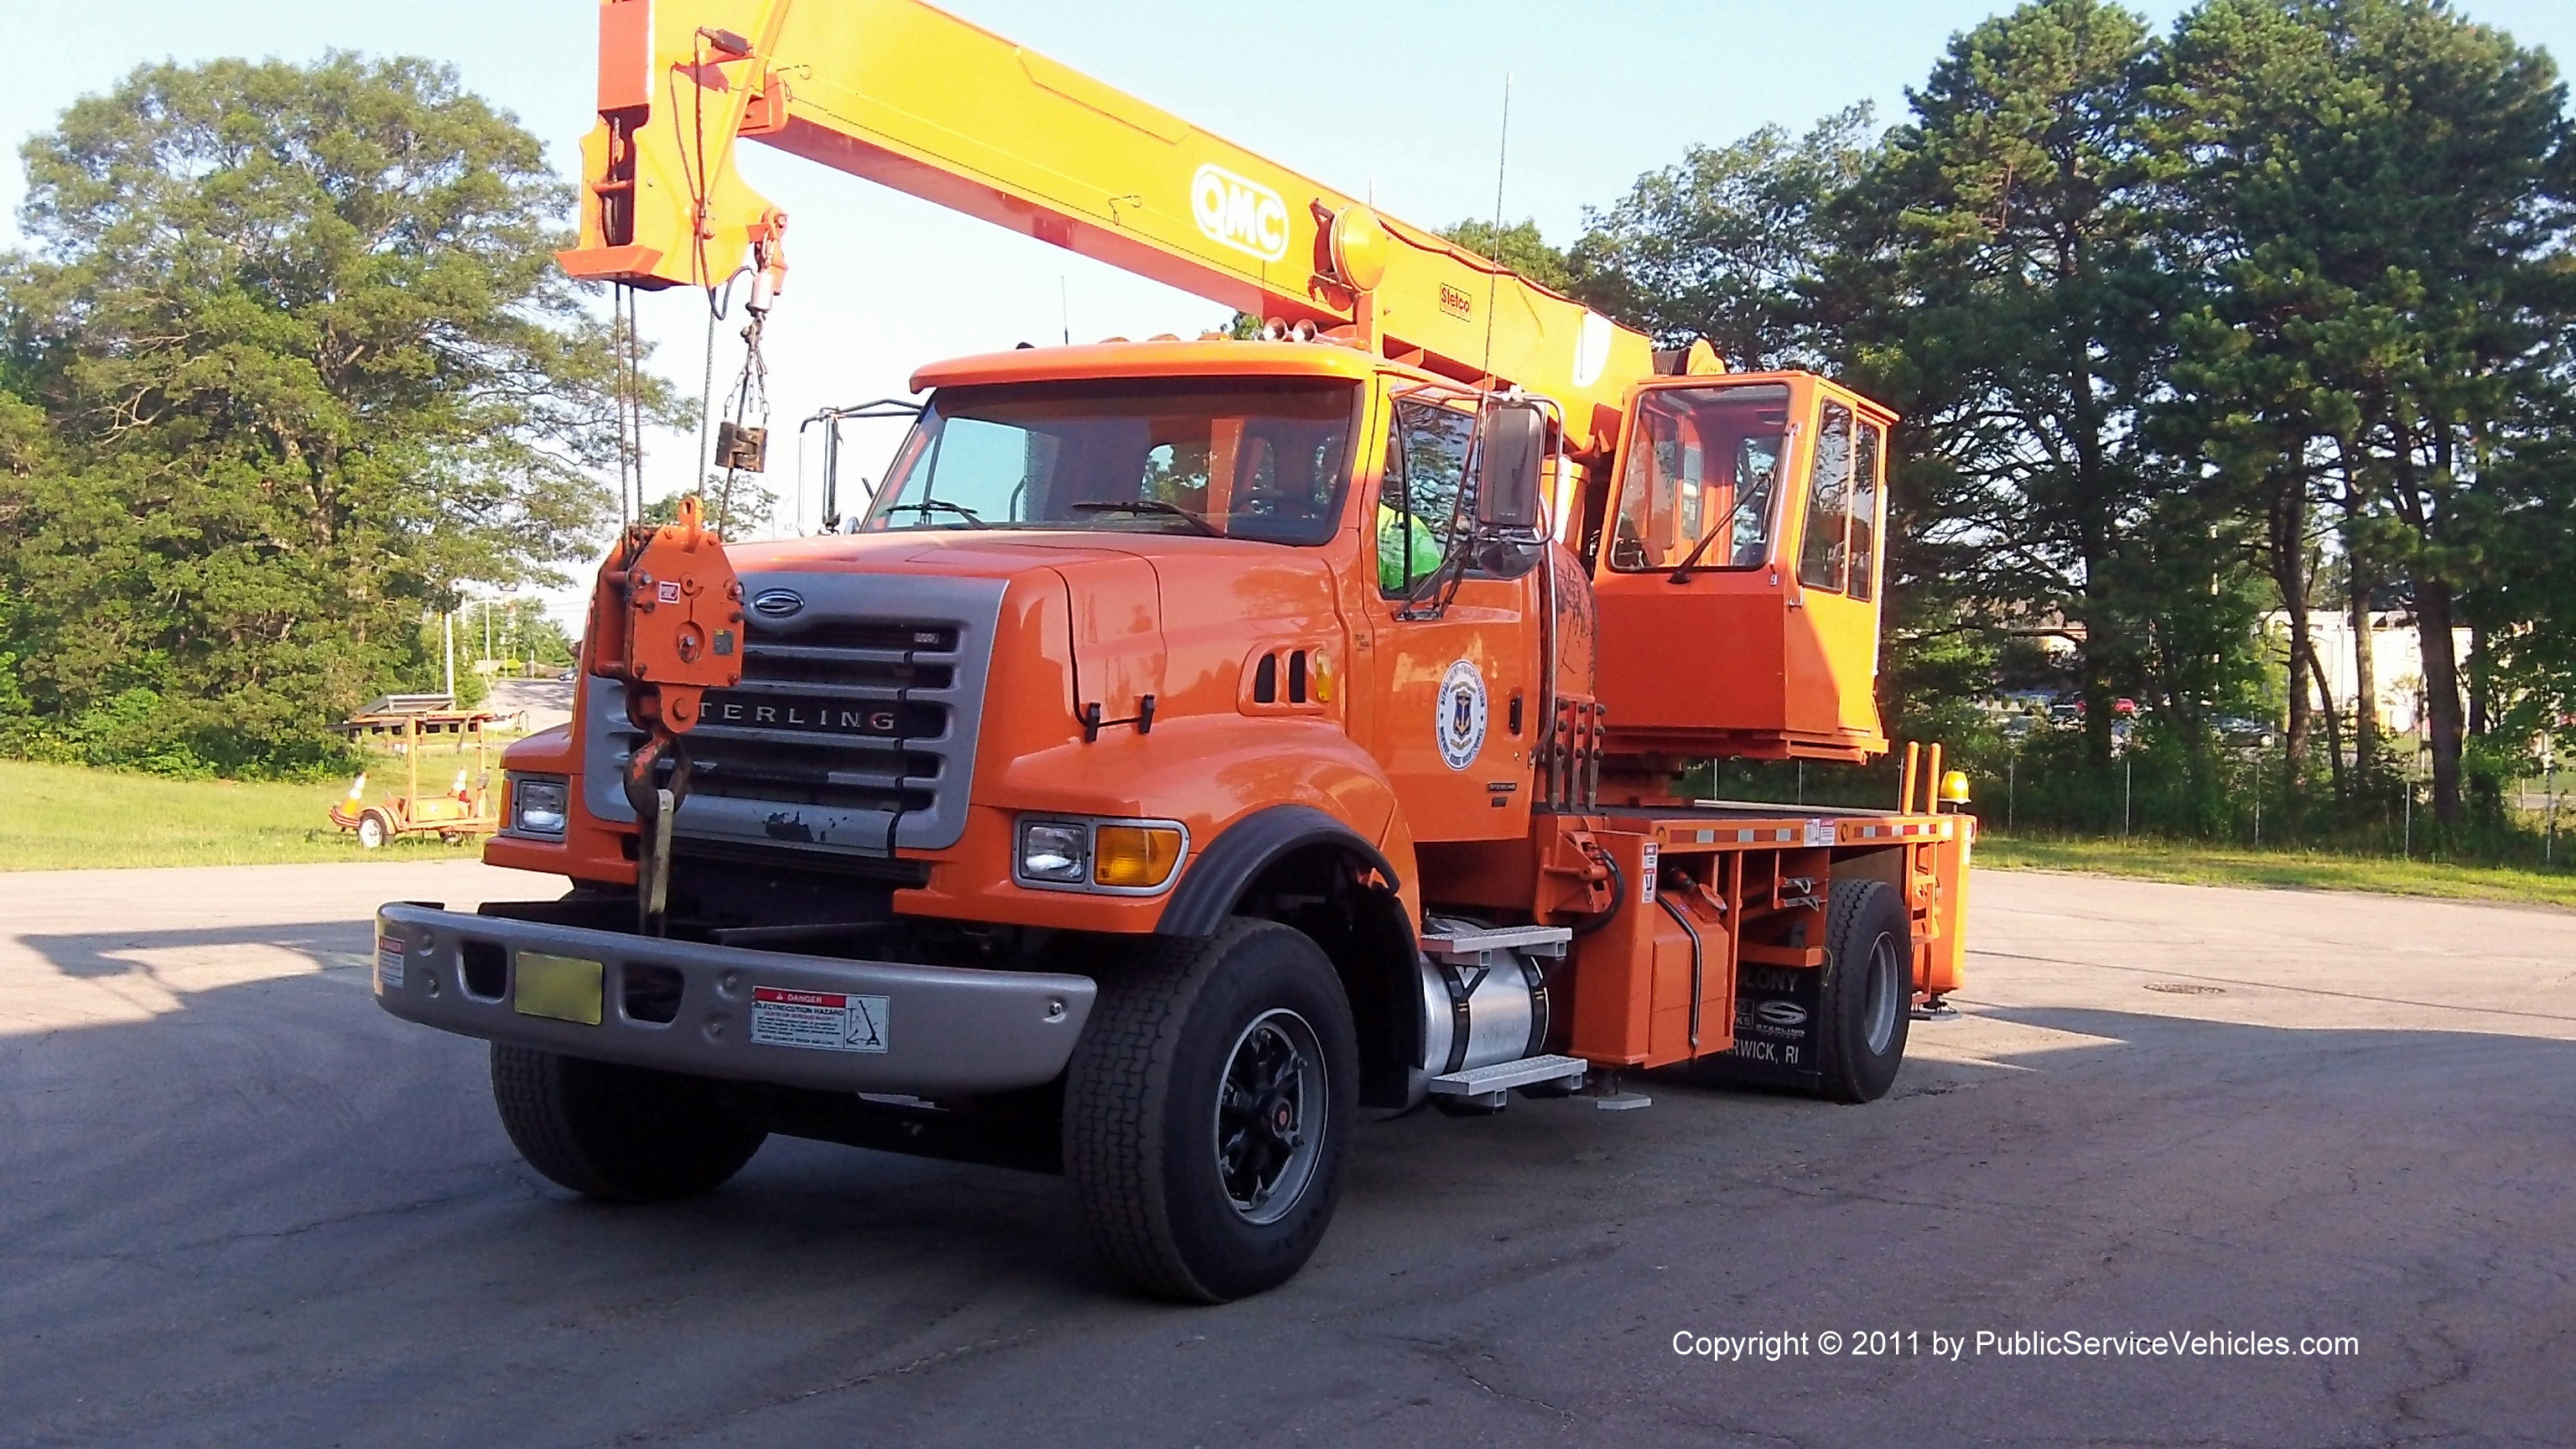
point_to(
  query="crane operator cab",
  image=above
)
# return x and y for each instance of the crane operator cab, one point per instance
(1744, 517)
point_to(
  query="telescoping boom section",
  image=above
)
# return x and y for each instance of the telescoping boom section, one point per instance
(918, 100)
(1190, 742)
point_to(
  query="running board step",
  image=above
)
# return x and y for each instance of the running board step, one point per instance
(1471, 944)
(1492, 1082)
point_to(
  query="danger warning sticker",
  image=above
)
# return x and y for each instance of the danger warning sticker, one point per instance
(389, 964)
(825, 1021)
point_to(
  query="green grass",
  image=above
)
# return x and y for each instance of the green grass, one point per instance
(64, 817)
(2219, 865)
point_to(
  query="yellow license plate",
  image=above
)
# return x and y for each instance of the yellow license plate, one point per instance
(565, 988)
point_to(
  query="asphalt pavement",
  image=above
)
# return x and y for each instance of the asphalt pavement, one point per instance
(239, 1205)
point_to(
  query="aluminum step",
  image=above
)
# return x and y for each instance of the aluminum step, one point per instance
(1502, 1077)
(1467, 945)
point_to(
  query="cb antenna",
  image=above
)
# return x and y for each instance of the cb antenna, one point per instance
(1494, 273)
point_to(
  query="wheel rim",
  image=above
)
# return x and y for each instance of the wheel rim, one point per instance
(1884, 1002)
(1270, 1113)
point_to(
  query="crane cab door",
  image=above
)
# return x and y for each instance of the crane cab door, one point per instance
(1453, 687)
(1839, 558)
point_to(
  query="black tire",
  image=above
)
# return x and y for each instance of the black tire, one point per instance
(624, 1134)
(1868, 991)
(1157, 1145)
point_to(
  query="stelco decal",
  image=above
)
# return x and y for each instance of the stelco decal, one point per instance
(1240, 213)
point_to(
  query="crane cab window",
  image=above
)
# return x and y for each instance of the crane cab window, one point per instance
(1701, 482)
(1421, 512)
(1840, 550)
(1258, 458)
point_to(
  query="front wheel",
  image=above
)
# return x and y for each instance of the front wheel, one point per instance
(372, 832)
(1208, 1110)
(625, 1134)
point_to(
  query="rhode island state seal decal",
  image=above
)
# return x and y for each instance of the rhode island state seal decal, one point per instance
(1461, 725)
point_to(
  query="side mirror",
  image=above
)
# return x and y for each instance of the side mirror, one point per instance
(1512, 442)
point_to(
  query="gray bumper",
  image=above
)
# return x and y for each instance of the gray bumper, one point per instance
(744, 1015)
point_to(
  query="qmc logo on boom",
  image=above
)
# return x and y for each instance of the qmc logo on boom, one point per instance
(1240, 213)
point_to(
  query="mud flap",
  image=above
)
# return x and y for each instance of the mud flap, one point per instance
(1779, 1014)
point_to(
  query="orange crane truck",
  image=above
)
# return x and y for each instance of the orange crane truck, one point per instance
(1191, 743)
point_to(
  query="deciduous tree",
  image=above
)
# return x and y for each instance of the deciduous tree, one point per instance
(307, 366)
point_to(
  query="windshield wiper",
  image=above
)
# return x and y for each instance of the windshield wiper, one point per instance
(1682, 572)
(1155, 506)
(929, 505)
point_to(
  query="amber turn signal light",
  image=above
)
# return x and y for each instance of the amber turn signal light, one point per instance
(1134, 856)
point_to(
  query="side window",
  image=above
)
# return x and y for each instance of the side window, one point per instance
(1419, 507)
(1864, 514)
(1824, 557)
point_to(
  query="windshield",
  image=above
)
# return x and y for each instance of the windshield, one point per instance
(1702, 478)
(1258, 458)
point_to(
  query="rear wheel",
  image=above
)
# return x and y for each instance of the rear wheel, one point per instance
(1208, 1110)
(1868, 990)
(372, 831)
(625, 1134)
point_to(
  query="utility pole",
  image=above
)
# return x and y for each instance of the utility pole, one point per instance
(2262, 746)
(2549, 779)
(447, 633)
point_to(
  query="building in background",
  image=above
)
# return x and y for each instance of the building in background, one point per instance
(2396, 655)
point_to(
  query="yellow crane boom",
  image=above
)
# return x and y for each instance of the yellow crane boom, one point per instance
(914, 98)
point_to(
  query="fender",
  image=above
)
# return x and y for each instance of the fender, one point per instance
(1217, 878)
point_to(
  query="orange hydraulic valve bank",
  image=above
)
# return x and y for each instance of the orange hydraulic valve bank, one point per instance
(666, 623)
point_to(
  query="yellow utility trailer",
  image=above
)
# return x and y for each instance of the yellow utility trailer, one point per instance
(465, 808)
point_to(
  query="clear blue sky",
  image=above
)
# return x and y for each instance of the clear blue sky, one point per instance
(1403, 95)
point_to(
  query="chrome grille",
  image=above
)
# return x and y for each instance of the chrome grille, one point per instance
(763, 741)
(853, 728)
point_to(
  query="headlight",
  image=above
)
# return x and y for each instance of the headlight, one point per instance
(537, 804)
(1113, 857)
(1055, 851)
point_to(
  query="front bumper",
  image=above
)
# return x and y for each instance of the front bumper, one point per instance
(741, 1015)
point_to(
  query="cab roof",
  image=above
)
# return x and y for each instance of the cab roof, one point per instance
(1100, 360)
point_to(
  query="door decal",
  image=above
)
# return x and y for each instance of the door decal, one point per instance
(1461, 724)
